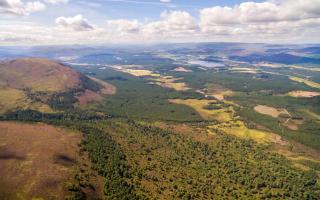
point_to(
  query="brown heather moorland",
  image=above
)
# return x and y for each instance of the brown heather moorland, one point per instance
(36, 160)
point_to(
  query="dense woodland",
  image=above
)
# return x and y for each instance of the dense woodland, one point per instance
(140, 160)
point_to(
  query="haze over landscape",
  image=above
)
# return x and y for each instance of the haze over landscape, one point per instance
(159, 99)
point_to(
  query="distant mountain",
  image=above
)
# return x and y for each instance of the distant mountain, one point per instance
(46, 85)
(283, 58)
(310, 50)
(134, 54)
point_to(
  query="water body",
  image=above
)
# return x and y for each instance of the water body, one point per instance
(206, 63)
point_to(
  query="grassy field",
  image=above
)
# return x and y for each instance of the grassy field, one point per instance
(170, 82)
(139, 72)
(224, 120)
(12, 99)
(9, 98)
(220, 112)
(303, 94)
(307, 82)
(155, 78)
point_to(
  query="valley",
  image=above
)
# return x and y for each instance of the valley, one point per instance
(160, 125)
(159, 100)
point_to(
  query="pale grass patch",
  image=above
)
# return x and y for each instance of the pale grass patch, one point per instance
(303, 94)
(140, 72)
(312, 114)
(182, 69)
(228, 123)
(244, 70)
(270, 111)
(170, 82)
(238, 128)
(221, 115)
(12, 99)
(305, 81)
(157, 79)
(217, 91)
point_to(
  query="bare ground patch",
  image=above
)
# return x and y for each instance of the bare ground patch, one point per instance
(89, 96)
(271, 111)
(181, 69)
(293, 124)
(284, 117)
(306, 82)
(303, 94)
(107, 89)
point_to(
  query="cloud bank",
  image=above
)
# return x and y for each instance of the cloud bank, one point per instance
(17, 7)
(270, 21)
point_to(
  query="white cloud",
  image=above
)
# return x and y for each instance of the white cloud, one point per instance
(165, 1)
(17, 7)
(125, 26)
(31, 33)
(35, 6)
(57, 1)
(272, 20)
(269, 21)
(174, 22)
(77, 23)
(265, 12)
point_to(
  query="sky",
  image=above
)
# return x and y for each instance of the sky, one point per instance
(43, 22)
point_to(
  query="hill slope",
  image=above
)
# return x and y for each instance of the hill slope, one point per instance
(46, 85)
(38, 75)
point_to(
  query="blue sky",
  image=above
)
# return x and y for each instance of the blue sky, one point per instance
(135, 21)
(100, 10)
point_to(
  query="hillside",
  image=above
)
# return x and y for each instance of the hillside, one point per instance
(41, 75)
(46, 86)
